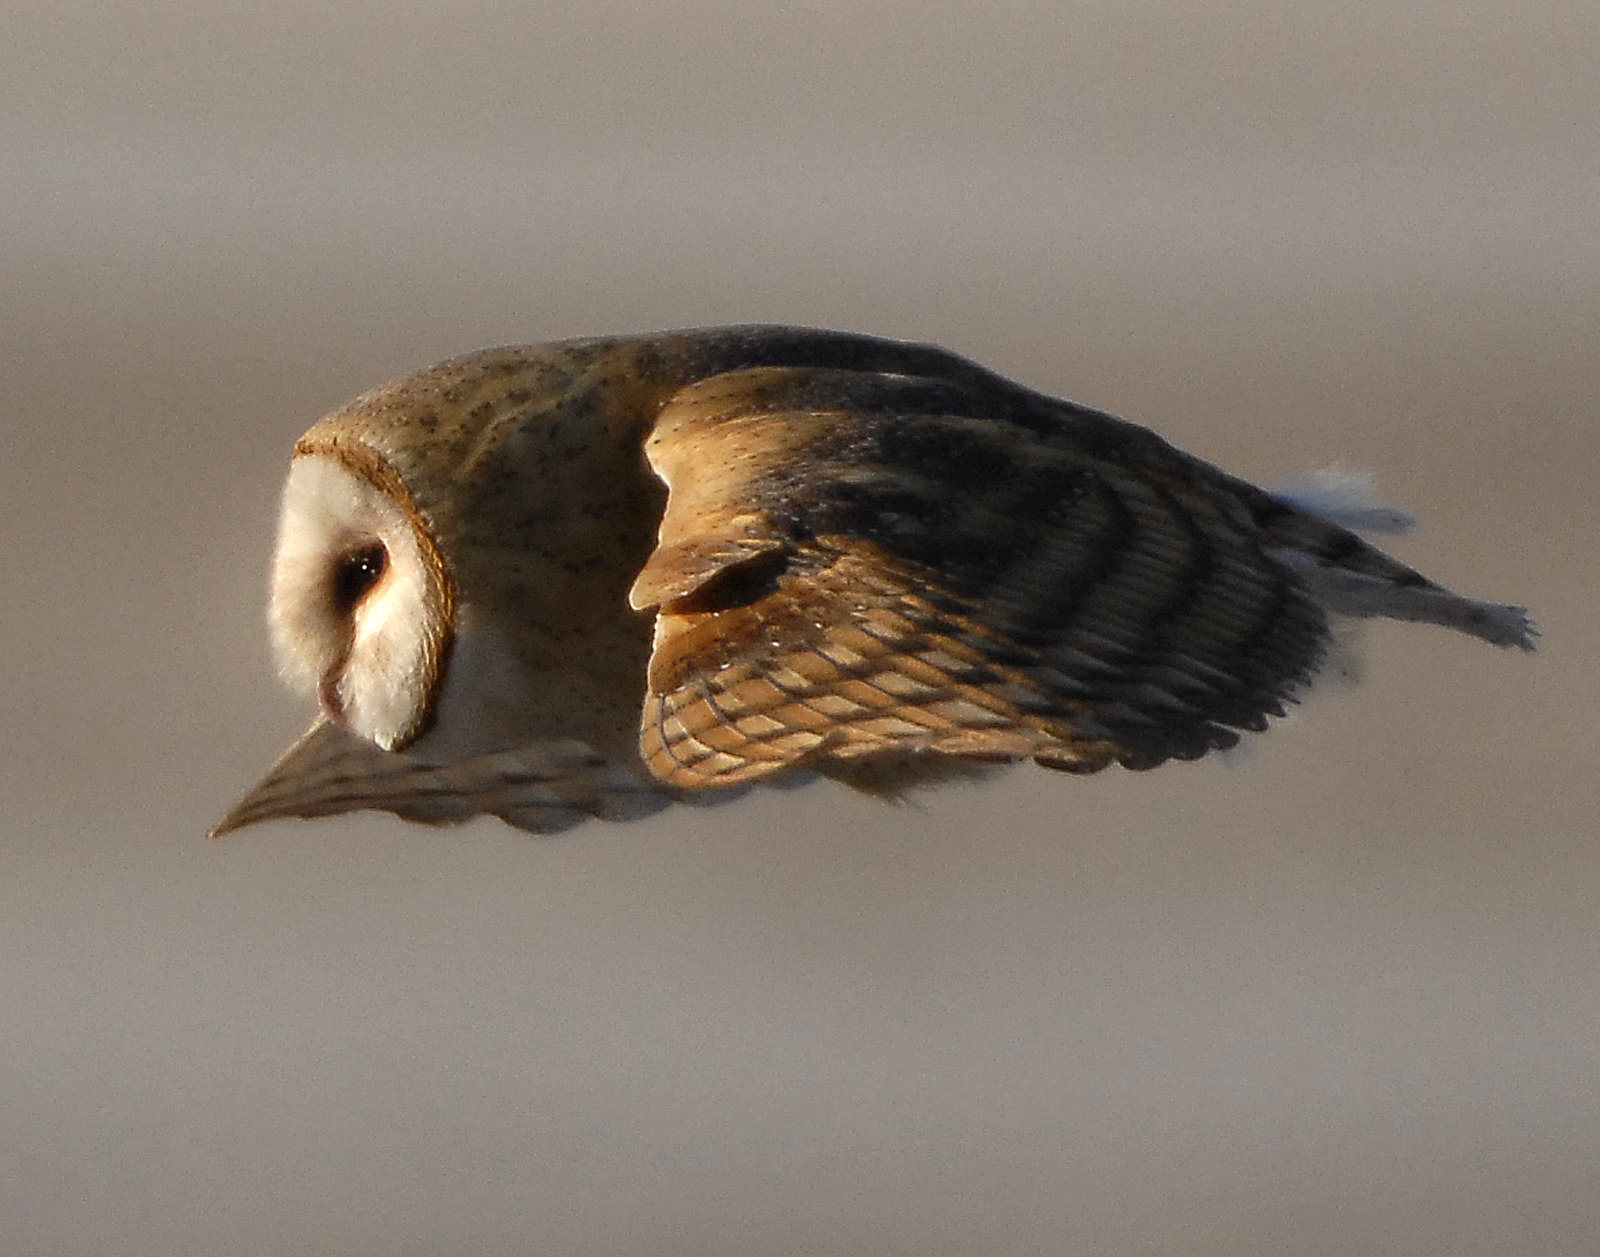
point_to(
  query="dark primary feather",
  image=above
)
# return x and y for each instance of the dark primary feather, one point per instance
(924, 570)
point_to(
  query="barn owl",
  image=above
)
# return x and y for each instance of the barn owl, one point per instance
(591, 578)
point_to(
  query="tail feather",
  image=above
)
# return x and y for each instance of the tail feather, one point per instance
(1317, 539)
(1346, 499)
(1346, 592)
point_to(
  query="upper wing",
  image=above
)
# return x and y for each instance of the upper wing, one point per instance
(542, 788)
(855, 567)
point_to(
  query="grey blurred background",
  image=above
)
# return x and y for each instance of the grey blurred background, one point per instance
(1337, 996)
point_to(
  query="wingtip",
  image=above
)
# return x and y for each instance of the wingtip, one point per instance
(268, 798)
(225, 826)
(246, 812)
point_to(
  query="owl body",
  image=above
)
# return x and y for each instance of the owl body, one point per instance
(594, 577)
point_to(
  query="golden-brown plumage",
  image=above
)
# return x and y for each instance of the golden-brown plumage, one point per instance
(649, 568)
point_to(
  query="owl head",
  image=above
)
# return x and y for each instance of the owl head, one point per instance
(363, 608)
(449, 588)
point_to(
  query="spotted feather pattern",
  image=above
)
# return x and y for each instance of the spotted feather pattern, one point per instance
(922, 572)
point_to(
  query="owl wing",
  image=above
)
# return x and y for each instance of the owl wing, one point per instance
(855, 569)
(543, 788)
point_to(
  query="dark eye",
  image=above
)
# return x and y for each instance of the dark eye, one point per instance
(358, 572)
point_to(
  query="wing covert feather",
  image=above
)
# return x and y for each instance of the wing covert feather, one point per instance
(856, 565)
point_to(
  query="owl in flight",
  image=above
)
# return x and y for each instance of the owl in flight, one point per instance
(594, 577)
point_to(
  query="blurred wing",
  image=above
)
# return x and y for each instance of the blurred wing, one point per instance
(857, 567)
(542, 789)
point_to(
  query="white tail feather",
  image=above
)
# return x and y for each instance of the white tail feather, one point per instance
(1356, 594)
(1345, 498)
